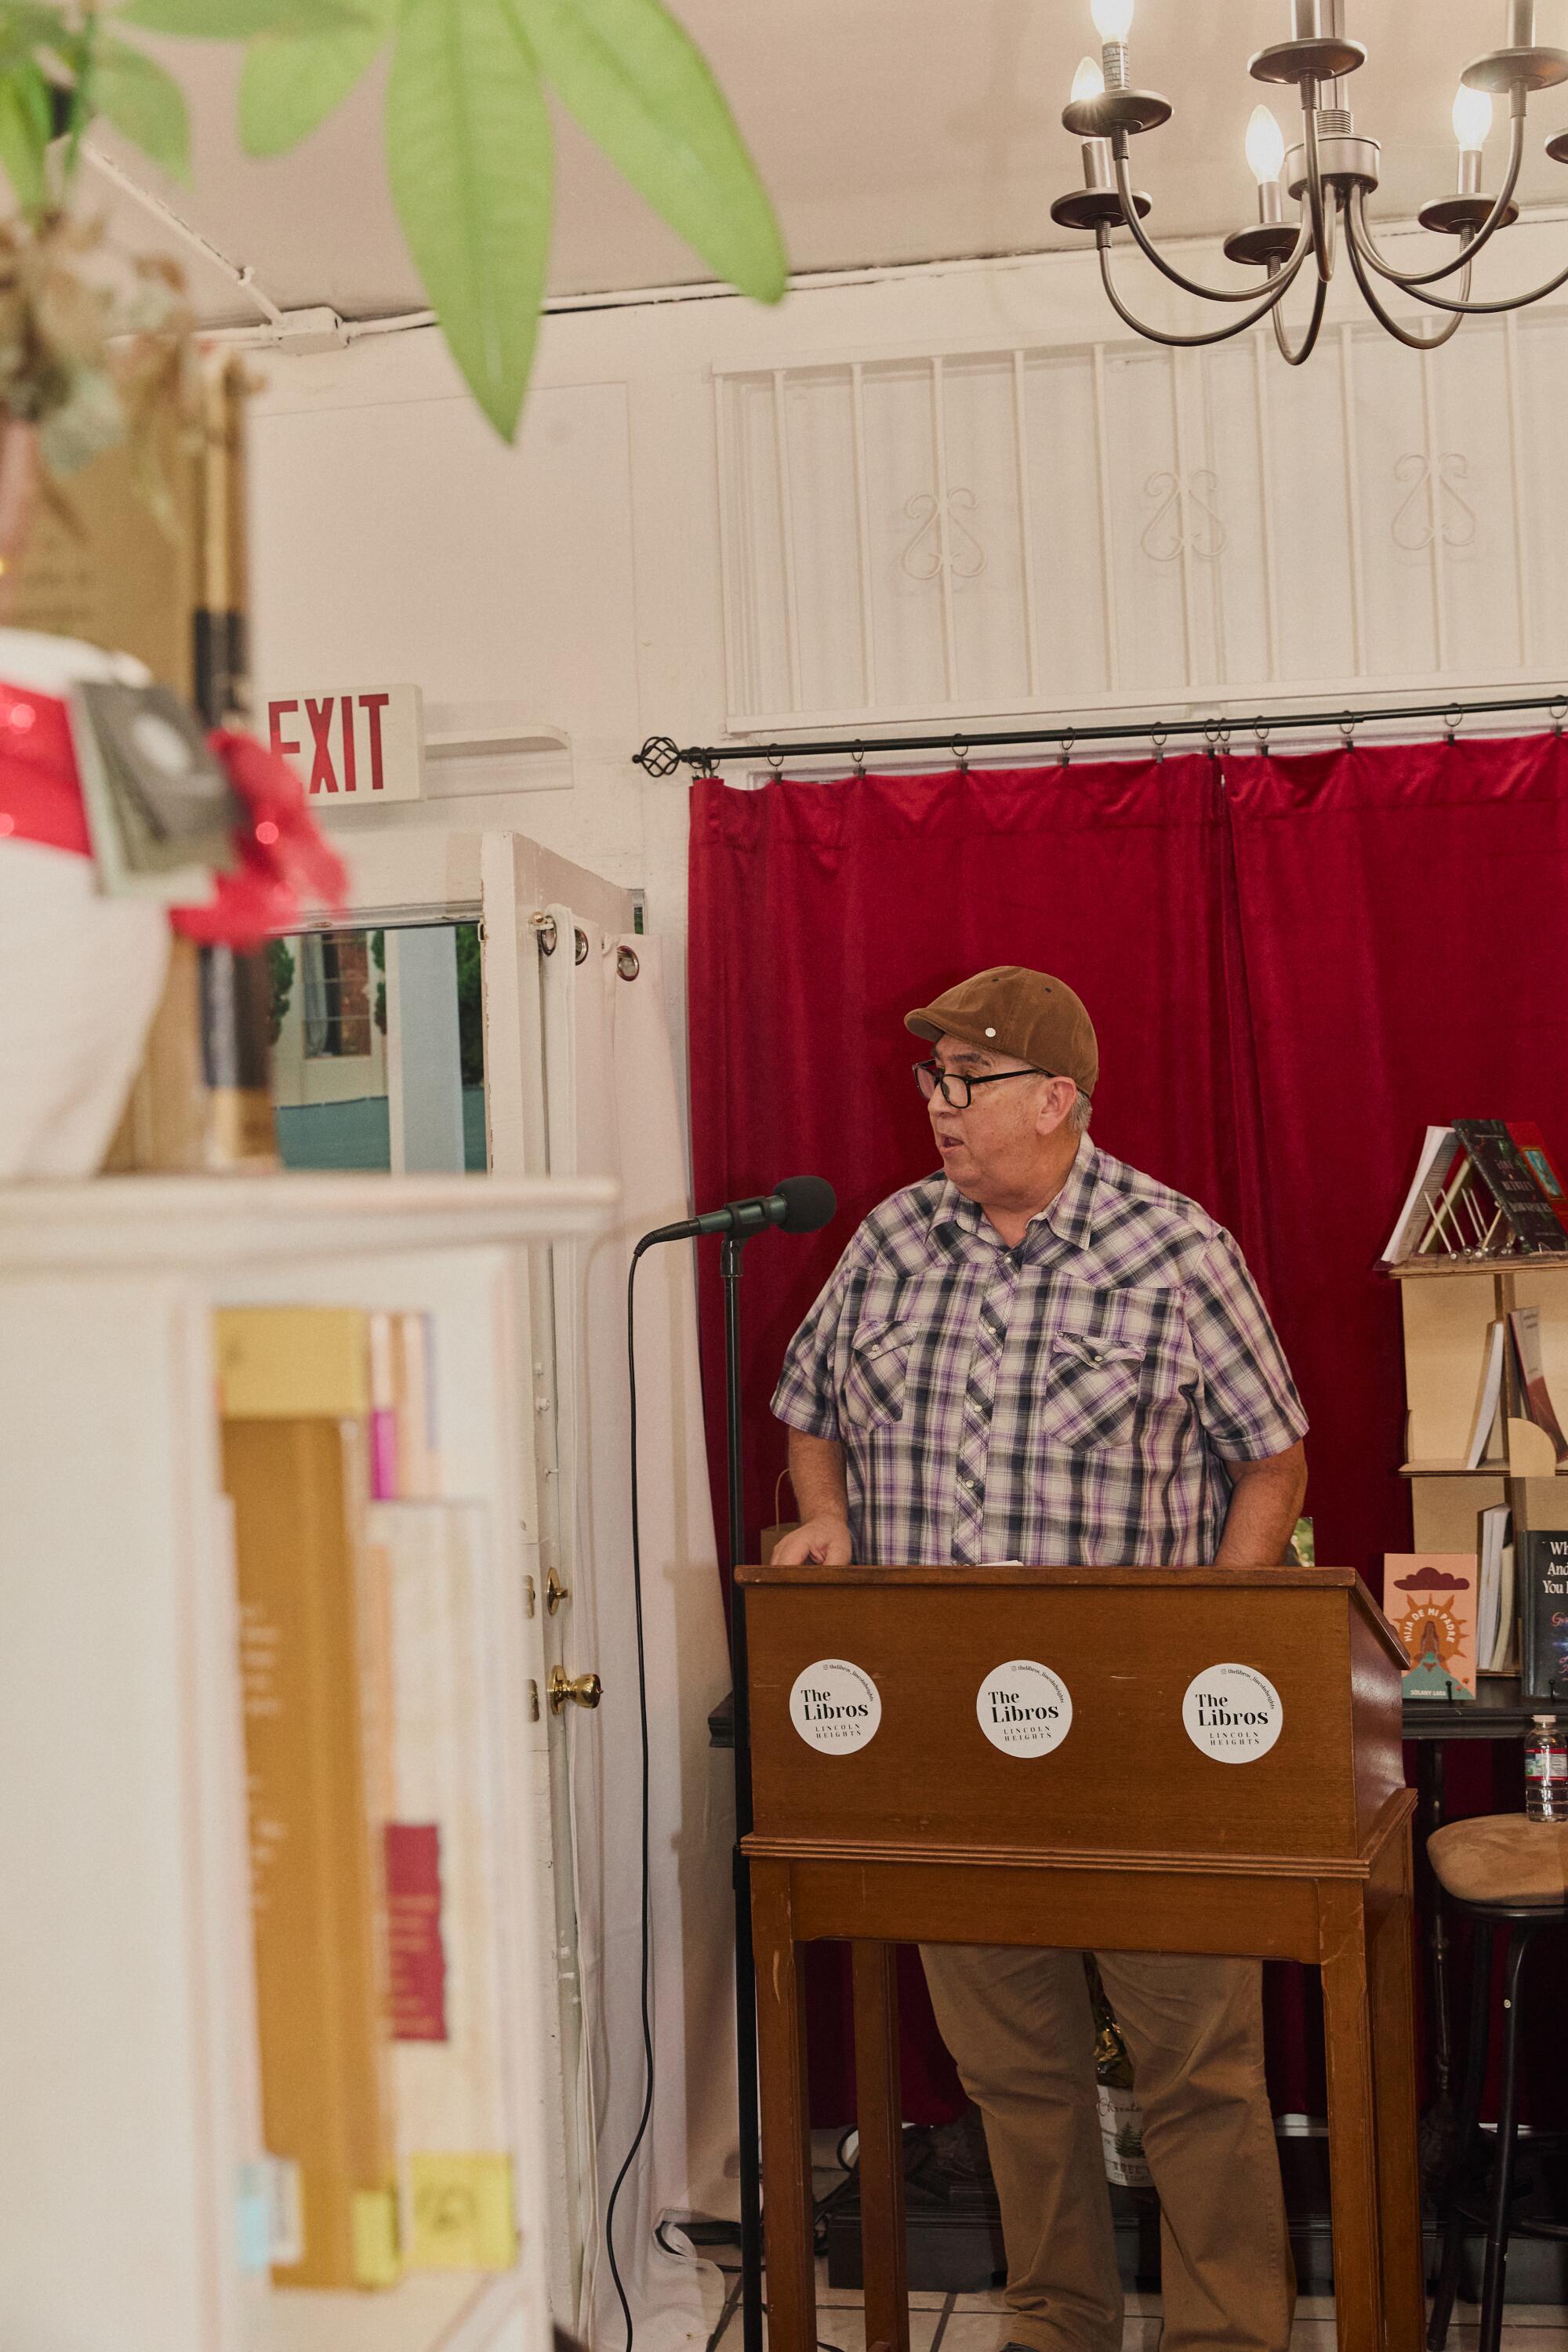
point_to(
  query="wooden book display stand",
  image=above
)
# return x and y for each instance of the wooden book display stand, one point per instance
(1190, 1759)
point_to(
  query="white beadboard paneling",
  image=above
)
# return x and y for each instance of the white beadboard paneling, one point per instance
(1074, 622)
(984, 529)
(1149, 520)
(1541, 344)
(1039, 527)
(906, 534)
(819, 424)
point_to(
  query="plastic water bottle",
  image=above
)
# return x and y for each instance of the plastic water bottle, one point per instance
(1545, 1771)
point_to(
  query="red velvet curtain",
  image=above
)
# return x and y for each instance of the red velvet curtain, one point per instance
(1292, 965)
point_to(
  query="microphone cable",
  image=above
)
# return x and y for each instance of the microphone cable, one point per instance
(812, 1202)
(646, 1938)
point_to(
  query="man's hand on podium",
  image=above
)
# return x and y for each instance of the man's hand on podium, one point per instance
(819, 1543)
(816, 1474)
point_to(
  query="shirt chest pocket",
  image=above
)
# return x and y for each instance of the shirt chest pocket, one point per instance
(1106, 1371)
(874, 1384)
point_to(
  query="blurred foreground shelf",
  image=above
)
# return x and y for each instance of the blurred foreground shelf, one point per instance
(131, 2119)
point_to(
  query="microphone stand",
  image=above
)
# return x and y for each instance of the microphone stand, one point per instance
(745, 1965)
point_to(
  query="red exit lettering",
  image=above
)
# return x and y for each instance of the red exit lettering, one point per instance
(319, 714)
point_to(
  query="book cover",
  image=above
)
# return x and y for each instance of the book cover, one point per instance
(1430, 1599)
(1440, 1151)
(1488, 1397)
(385, 1476)
(1542, 1558)
(1506, 1659)
(292, 1362)
(1511, 1180)
(297, 1484)
(1525, 1326)
(447, 2061)
(1543, 1168)
(419, 1466)
(1495, 1590)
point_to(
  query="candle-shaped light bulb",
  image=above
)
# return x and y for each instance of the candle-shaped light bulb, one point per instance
(1265, 146)
(1472, 119)
(1112, 18)
(1088, 81)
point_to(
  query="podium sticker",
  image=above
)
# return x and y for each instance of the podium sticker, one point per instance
(1024, 1709)
(836, 1707)
(1233, 1712)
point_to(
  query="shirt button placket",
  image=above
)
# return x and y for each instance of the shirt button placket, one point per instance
(979, 1403)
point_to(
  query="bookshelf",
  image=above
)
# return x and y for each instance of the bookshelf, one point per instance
(1447, 1306)
(131, 2082)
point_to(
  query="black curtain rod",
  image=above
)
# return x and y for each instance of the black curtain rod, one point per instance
(660, 756)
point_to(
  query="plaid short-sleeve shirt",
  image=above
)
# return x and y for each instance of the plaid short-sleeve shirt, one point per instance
(1071, 1401)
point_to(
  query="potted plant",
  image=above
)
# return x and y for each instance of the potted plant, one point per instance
(96, 349)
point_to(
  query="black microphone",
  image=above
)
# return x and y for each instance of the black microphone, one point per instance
(798, 1204)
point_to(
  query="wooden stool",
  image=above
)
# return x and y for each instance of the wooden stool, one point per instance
(1503, 1871)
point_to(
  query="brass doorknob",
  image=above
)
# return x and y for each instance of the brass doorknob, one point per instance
(583, 1690)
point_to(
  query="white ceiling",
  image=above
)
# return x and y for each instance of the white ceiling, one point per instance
(888, 131)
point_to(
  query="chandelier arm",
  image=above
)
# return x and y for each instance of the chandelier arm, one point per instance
(1303, 349)
(1185, 342)
(1356, 232)
(1412, 280)
(1403, 334)
(1146, 246)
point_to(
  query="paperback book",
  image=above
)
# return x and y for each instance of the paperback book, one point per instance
(1430, 1599)
(1525, 1327)
(1543, 1612)
(1511, 1180)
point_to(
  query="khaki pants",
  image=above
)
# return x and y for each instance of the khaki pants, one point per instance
(1018, 2024)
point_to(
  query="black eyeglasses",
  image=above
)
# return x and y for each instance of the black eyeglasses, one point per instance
(956, 1090)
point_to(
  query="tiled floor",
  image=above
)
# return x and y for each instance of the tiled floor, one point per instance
(975, 2323)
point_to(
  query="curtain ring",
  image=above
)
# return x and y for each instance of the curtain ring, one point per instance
(1451, 718)
(1158, 737)
(1213, 735)
(544, 927)
(1064, 757)
(706, 767)
(961, 754)
(1347, 730)
(775, 759)
(1559, 713)
(1260, 737)
(582, 955)
(627, 963)
(858, 754)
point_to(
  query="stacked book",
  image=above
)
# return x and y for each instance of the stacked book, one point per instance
(371, 1773)
(1484, 1187)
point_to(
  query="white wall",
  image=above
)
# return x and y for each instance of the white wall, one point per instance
(576, 581)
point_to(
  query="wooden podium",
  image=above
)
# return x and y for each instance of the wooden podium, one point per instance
(1277, 1826)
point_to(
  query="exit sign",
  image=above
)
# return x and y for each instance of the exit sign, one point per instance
(353, 746)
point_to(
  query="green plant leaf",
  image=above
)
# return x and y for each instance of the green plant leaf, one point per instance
(643, 91)
(25, 127)
(469, 160)
(241, 20)
(24, 28)
(144, 103)
(291, 82)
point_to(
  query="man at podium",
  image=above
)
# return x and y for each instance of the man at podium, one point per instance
(1041, 1354)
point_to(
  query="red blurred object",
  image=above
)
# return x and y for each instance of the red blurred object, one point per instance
(283, 856)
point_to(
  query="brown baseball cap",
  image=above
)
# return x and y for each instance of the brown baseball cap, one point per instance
(1010, 1010)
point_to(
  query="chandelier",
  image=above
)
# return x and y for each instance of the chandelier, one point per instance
(1327, 176)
